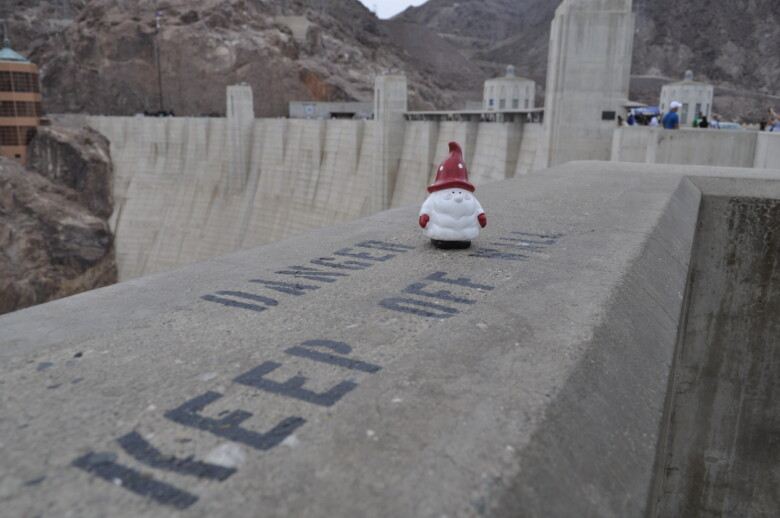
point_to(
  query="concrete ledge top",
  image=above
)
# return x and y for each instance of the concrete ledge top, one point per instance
(359, 371)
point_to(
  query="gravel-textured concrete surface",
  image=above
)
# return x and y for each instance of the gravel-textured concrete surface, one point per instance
(526, 376)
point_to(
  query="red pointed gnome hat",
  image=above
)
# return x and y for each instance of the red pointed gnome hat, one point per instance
(452, 172)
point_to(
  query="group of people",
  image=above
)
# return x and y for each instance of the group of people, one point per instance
(700, 121)
(672, 119)
(161, 113)
(639, 120)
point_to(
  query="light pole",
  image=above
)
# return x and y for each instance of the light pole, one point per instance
(157, 17)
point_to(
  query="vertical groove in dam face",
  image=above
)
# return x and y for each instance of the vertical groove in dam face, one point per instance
(722, 454)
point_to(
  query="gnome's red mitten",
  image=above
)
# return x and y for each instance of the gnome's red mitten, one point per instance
(424, 219)
(482, 220)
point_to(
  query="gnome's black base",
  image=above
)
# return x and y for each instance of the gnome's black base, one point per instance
(450, 245)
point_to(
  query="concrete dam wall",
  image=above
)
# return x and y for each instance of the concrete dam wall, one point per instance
(605, 348)
(688, 146)
(721, 442)
(189, 189)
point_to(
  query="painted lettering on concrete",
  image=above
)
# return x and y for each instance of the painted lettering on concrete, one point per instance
(104, 465)
(293, 387)
(229, 426)
(427, 308)
(510, 247)
(431, 297)
(137, 447)
(320, 274)
(338, 360)
(426, 299)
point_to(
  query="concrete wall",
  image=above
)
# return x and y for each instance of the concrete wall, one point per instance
(188, 189)
(767, 150)
(717, 460)
(689, 146)
(588, 73)
(527, 376)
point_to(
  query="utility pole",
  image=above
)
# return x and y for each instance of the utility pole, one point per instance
(157, 17)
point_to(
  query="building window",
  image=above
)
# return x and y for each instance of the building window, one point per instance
(9, 136)
(7, 109)
(5, 82)
(608, 116)
(22, 82)
(684, 116)
(20, 109)
(27, 109)
(526, 104)
(515, 104)
(698, 109)
(35, 83)
(490, 103)
(501, 104)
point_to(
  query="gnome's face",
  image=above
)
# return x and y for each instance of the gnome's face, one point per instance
(457, 203)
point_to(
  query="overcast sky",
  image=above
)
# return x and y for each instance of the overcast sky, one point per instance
(389, 8)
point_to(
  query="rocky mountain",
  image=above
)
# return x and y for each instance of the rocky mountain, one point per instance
(729, 43)
(55, 239)
(101, 56)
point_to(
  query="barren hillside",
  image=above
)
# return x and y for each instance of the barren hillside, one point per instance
(100, 56)
(731, 43)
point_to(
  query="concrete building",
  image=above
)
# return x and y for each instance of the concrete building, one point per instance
(509, 92)
(695, 97)
(20, 103)
(326, 110)
(588, 73)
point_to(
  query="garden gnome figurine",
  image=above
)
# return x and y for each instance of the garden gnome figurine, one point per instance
(451, 216)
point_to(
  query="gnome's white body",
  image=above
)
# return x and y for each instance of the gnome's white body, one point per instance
(453, 215)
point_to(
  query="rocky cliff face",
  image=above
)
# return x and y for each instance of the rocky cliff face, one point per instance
(100, 56)
(55, 240)
(77, 158)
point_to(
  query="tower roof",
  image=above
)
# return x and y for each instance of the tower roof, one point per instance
(9, 54)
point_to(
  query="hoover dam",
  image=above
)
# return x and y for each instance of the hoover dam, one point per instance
(606, 347)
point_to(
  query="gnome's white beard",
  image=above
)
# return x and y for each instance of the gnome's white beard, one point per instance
(453, 214)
